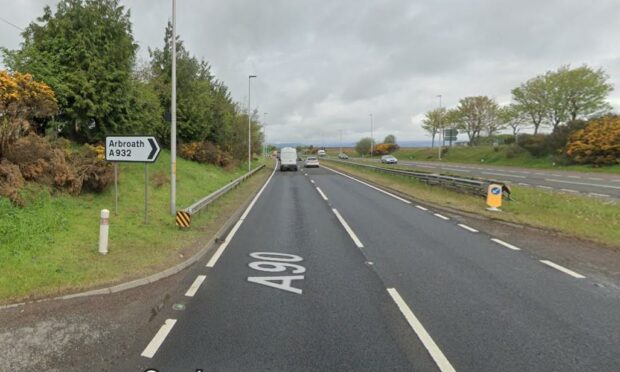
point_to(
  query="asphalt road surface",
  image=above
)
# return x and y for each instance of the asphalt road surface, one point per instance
(603, 185)
(326, 273)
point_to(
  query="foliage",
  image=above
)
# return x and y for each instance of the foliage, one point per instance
(390, 138)
(511, 117)
(85, 51)
(535, 144)
(22, 101)
(434, 121)
(558, 139)
(205, 152)
(477, 114)
(597, 144)
(530, 98)
(363, 146)
(385, 148)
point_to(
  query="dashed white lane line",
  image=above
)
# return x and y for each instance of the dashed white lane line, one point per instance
(595, 179)
(430, 345)
(597, 194)
(194, 287)
(574, 176)
(524, 184)
(467, 228)
(507, 245)
(441, 216)
(159, 338)
(569, 190)
(369, 185)
(321, 192)
(563, 269)
(350, 231)
(457, 170)
(421, 207)
(311, 181)
(583, 183)
(503, 175)
(544, 187)
(231, 234)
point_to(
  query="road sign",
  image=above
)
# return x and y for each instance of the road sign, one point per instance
(134, 149)
(183, 219)
(494, 196)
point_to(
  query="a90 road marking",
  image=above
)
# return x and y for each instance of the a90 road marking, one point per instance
(274, 262)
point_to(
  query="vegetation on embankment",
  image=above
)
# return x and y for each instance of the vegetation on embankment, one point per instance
(50, 246)
(573, 215)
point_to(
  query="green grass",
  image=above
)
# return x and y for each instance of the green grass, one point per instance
(50, 246)
(572, 215)
(501, 156)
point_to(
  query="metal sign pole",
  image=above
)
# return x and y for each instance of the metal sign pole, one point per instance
(115, 189)
(146, 188)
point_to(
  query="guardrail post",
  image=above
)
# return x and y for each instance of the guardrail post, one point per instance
(104, 226)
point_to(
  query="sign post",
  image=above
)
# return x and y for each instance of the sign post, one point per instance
(494, 197)
(132, 149)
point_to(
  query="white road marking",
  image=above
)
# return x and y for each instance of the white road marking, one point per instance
(583, 183)
(544, 187)
(468, 228)
(159, 338)
(574, 176)
(194, 287)
(430, 345)
(524, 184)
(231, 234)
(312, 181)
(503, 174)
(441, 216)
(615, 180)
(507, 245)
(556, 175)
(321, 192)
(421, 207)
(569, 190)
(348, 229)
(457, 170)
(371, 186)
(562, 269)
(597, 194)
(595, 179)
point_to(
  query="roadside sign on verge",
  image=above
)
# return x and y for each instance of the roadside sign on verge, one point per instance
(494, 196)
(134, 149)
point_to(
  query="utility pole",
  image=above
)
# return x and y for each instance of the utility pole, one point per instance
(249, 125)
(440, 130)
(173, 113)
(265, 135)
(372, 139)
(340, 142)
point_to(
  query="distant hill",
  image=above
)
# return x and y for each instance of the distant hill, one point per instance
(352, 144)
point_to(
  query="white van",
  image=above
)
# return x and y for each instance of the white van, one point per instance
(288, 159)
(321, 153)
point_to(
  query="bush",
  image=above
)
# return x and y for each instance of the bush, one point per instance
(385, 148)
(535, 144)
(206, 152)
(597, 144)
(514, 151)
(558, 139)
(94, 173)
(11, 181)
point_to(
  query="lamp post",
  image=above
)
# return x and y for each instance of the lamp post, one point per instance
(249, 124)
(440, 130)
(372, 140)
(265, 135)
(173, 114)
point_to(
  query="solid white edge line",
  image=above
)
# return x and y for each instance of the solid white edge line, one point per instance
(468, 228)
(159, 338)
(231, 234)
(312, 181)
(348, 229)
(583, 183)
(507, 245)
(421, 207)
(430, 345)
(441, 216)
(195, 286)
(369, 185)
(321, 192)
(563, 269)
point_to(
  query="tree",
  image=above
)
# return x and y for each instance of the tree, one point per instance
(22, 101)
(433, 122)
(531, 100)
(390, 138)
(475, 115)
(598, 143)
(363, 146)
(85, 51)
(585, 92)
(510, 116)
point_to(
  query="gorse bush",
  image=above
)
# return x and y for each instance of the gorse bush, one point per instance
(206, 152)
(597, 144)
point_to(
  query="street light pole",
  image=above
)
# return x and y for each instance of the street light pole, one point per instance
(265, 135)
(249, 124)
(173, 114)
(372, 140)
(340, 141)
(440, 130)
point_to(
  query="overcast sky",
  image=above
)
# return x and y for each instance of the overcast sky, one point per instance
(324, 66)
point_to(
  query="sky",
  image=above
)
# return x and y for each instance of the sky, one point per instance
(324, 66)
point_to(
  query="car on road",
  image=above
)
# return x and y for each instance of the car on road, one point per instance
(321, 153)
(389, 159)
(288, 159)
(343, 156)
(311, 161)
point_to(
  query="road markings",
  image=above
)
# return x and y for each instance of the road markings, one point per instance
(457, 170)
(583, 183)
(321, 192)
(524, 184)
(348, 229)
(441, 216)
(421, 207)
(194, 287)
(544, 187)
(430, 345)
(467, 228)
(507, 245)
(231, 234)
(563, 269)
(595, 179)
(597, 194)
(503, 175)
(369, 185)
(574, 176)
(569, 190)
(159, 338)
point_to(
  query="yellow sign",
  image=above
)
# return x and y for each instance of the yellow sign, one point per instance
(183, 219)
(494, 196)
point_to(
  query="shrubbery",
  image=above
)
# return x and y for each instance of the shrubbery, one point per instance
(597, 144)
(206, 152)
(535, 144)
(385, 148)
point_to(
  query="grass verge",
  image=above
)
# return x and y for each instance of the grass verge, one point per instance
(50, 247)
(573, 215)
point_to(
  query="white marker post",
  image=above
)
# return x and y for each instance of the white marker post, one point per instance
(104, 227)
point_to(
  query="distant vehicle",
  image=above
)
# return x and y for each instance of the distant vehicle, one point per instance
(343, 156)
(389, 159)
(321, 153)
(288, 159)
(311, 161)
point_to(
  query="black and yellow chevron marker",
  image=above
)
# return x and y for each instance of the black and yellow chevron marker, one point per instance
(183, 219)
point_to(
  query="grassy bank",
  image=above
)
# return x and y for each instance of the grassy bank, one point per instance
(572, 215)
(502, 155)
(50, 247)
